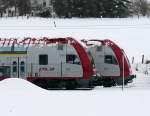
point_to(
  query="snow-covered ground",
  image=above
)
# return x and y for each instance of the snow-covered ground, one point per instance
(132, 34)
(21, 98)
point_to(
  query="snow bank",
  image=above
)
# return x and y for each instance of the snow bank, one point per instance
(30, 100)
(18, 85)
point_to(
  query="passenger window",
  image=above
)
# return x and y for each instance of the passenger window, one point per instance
(72, 59)
(109, 59)
(22, 67)
(15, 66)
(43, 59)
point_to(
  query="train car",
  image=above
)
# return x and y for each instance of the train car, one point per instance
(110, 61)
(57, 63)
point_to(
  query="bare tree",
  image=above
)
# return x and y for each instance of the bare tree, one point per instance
(23, 6)
(140, 7)
(144, 7)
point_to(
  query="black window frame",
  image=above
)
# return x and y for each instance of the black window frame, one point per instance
(14, 67)
(22, 66)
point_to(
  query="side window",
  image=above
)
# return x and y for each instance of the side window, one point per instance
(14, 67)
(43, 59)
(22, 67)
(109, 59)
(72, 59)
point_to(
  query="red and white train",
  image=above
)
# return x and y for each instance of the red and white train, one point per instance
(64, 62)
(110, 61)
(58, 62)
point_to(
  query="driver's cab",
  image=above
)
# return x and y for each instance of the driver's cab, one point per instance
(104, 59)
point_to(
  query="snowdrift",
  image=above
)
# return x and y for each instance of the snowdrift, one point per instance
(16, 84)
(20, 98)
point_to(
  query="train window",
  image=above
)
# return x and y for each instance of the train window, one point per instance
(60, 47)
(109, 59)
(5, 71)
(3, 49)
(72, 59)
(22, 67)
(43, 59)
(14, 66)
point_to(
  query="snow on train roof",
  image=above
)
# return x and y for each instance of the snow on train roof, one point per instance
(22, 44)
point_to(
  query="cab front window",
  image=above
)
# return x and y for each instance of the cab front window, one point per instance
(72, 59)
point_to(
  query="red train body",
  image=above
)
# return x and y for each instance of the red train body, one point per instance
(64, 63)
(110, 61)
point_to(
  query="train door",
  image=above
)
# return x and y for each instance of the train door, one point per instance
(72, 67)
(18, 67)
(105, 61)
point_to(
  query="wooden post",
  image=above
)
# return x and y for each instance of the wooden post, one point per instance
(142, 59)
(133, 60)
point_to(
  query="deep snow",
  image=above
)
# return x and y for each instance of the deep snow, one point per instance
(21, 98)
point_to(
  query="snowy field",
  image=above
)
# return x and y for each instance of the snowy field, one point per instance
(132, 34)
(21, 98)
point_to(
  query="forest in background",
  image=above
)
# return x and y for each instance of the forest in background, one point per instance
(75, 8)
